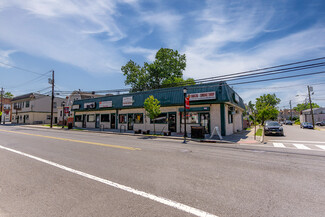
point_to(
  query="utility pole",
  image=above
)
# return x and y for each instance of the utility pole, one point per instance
(51, 81)
(290, 111)
(311, 107)
(1, 106)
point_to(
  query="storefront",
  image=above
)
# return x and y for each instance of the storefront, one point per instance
(211, 105)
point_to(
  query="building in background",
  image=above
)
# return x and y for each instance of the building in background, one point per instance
(34, 108)
(68, 102)
(319, 115)
(7, 112)
(285, 114)
(211, 105)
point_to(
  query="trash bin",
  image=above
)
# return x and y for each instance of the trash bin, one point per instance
(69, 126)
(197, 132)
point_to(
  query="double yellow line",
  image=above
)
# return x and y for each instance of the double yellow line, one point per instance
(74, 140)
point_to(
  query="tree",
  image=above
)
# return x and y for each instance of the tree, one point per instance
(266, 107)
(304, 106)
(166, 70)
(152, 107)
(8, 95)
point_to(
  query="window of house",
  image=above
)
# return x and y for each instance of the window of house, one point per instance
(54, 104)
(191, 118)
(48, 117)
(104, 118)
(161, 119)
(78, 118)
(90, 118)
(60, 113)
(138, 118)
(27, 104)
(230, 117)
(26, 117)
(23, 104)
(122, 119)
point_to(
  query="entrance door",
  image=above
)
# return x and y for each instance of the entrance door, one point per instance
(130, 121)
(84, 119)
(172, 122)
(97, 121)
(205, 122)
(113, 121)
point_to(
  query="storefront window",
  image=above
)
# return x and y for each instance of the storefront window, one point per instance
(138, 118)
(161, 119)
(90, 118)
(105, 118)
(191, 118)
(122, 119)
(78, 118)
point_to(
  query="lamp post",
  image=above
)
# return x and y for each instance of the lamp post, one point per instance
(185, 134)
(63, 104)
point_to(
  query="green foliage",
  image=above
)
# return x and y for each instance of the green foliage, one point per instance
(297, 122)
(266, 107)
(259, 132)
(304, 106)
(166, 70)
(152, 107)
(8, 95)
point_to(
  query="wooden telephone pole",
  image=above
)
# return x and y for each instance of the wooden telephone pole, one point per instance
(51, 81)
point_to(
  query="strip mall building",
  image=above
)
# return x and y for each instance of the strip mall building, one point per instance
(211, 105)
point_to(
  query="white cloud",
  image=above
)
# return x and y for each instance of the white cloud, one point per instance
(5, 58)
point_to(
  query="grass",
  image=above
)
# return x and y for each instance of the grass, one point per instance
(259, 132)
(248, 129)
(54, 125)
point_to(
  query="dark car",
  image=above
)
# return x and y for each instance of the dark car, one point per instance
(306, 125)
(321, 123)
(273, 128)
(288, 122)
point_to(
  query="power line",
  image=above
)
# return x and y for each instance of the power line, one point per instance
(20, 68)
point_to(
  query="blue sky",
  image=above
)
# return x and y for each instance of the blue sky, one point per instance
(87, 42)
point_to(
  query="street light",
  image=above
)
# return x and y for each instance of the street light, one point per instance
(185, 134)
(63, 104)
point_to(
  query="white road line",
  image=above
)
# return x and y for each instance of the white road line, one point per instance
(322, 142)
(278, 145)
(321, 146)
(301, 146)
(162, 200)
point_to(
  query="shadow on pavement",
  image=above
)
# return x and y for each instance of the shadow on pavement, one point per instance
(236, 137)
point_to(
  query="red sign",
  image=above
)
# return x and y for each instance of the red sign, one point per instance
(187, 102)
(66, 110)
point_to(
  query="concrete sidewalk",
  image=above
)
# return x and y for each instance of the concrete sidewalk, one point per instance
(244, 136)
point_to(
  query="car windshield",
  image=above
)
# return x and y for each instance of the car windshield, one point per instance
(272, 124)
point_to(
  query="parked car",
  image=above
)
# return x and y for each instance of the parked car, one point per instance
(321, 123)
(287, 122)
(306, 125)
(273, 128)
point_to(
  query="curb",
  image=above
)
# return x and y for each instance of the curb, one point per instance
(129, 134)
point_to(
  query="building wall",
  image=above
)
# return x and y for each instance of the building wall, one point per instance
(215, 119)
(33, 118)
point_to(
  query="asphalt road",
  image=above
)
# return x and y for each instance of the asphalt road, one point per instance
(295, 137)
(68, 173)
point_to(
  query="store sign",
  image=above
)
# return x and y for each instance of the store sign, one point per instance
(90, 105)
(202, 96)
(75, 106)
(105, 104)
(127, 101)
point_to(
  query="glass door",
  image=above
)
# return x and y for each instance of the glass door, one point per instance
(172, 122)
(97, 121)
(113, 121)
(205, 122)
(130, 121)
